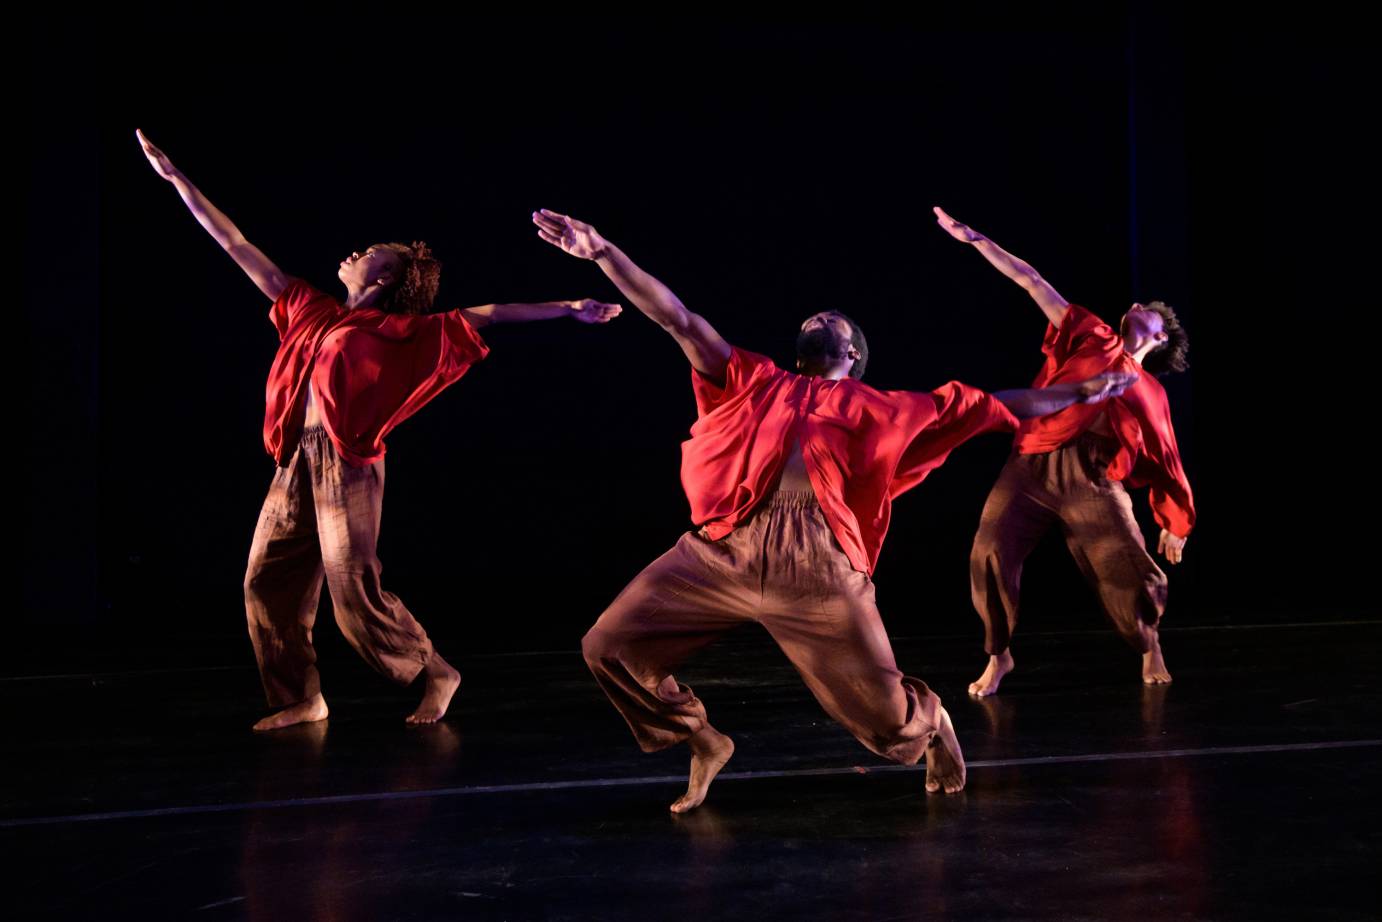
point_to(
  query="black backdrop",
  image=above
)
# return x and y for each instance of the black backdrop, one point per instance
(764, 173)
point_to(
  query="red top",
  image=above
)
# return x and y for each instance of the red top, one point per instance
(862, 447)
(370, 370)
(1082, 347)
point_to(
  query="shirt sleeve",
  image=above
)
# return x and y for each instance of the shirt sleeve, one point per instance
(739, 371)
(289, 305)
(462, 343)
(1158, 464)
(943, 420)
(1079, 329)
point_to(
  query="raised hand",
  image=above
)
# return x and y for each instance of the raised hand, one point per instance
(961, 232)
(591, 311)
(1171, 546)
(157, 158)
(575, 237)
(1102, 387)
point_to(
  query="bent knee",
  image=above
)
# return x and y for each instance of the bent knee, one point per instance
(985, 547)
(597, 646)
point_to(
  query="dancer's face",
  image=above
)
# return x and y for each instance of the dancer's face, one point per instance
(376, 266)
(823, 342)
(1141, 326)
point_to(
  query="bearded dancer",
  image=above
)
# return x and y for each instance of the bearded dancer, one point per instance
(790, 479)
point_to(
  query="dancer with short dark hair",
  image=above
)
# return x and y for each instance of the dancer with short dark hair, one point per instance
(791, 478)
(346, 373)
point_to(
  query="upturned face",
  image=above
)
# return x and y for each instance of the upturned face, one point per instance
(375, 266)
(1141, 325)
(823, 340)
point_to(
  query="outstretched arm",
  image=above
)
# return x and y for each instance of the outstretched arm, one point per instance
(706, 349)
(1021, 272)
(1040, 401)
(257, 266)
(585, 310)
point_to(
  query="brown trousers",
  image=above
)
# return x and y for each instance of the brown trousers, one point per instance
(783, 569)
(1066, 486)
(321, 519)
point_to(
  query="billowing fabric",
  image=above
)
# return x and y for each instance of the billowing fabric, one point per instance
(862, 447)
(369, 370)
(1084, 346)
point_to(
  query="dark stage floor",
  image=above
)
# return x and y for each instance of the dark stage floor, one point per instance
(1246, 790)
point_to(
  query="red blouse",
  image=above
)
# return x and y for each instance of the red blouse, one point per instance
(1084, 346)
(370, 370)
(862, 447)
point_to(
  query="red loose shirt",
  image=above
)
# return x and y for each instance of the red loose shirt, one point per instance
(1084, 346)
(862, 447)
(369, 370)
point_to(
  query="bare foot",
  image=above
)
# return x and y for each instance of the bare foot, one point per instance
(945, 766)
(710, 750)
(1154, 670)
(313, 709)
(987, 684)
(442, 682)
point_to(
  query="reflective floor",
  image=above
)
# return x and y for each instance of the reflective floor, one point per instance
(1246, 790)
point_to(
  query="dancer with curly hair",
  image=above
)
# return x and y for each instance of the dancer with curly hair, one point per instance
(1069, 468)
(346, 373)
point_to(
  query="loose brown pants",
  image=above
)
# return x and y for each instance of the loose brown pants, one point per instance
(321, 520)
(783, 569)
(1066, 486)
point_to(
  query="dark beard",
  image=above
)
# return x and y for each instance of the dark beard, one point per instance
(819, 349)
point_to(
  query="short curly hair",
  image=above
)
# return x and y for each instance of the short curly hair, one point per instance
(1170, 355)
(420, 273)
(860, 344)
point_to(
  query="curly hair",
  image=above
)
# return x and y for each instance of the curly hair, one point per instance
(1170, 355)
(420, 275)
(861, 345)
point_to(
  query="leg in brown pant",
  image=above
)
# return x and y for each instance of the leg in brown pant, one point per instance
(1066, 487)
(783, 569)
(319, 522)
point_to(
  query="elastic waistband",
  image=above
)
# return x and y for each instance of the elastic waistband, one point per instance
(317, 430)
(793, 498)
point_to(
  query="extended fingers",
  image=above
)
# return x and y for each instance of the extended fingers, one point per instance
(554, 222)
(589, 310)
(549, 224)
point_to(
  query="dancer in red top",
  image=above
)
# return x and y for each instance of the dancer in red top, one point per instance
(345, 374)
(1068, 468)
(791, 479)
